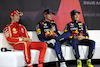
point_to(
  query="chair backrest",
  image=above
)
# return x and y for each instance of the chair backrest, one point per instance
(33, 36)
(3, 42)
(93, 34)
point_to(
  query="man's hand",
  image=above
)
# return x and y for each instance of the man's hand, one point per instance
(75, 37)
(52, 29)
(55, 34)
(30, 40)
(79, 37)
(27, 39)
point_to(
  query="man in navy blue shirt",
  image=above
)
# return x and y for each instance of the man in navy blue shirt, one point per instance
(79, 36)
(47, 32)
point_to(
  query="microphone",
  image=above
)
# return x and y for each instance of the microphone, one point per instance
(3, 49)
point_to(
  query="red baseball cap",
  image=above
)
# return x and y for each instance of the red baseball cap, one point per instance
(15, 12)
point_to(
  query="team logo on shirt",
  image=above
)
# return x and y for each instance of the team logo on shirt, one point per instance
(22, 30)
(80, 24)
(46, 30)
(45, 25)
(6, 32)
(14, 30)
(72, 24)
(52, 22)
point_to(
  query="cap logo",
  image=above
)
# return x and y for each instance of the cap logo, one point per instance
(17, 11)
(11, 13)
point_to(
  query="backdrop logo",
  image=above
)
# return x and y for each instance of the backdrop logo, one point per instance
(91, 2)
(63, 15)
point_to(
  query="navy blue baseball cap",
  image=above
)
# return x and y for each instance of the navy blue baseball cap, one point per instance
(73, 12)
(48, 11)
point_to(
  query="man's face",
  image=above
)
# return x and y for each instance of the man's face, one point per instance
(48, 16)
(75, 17)
(15, 18)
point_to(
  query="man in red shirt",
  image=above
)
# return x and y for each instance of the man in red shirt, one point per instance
(16, 35)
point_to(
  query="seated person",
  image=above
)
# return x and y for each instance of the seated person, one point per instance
(17, 36)
(79, 36)
(47, 32)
